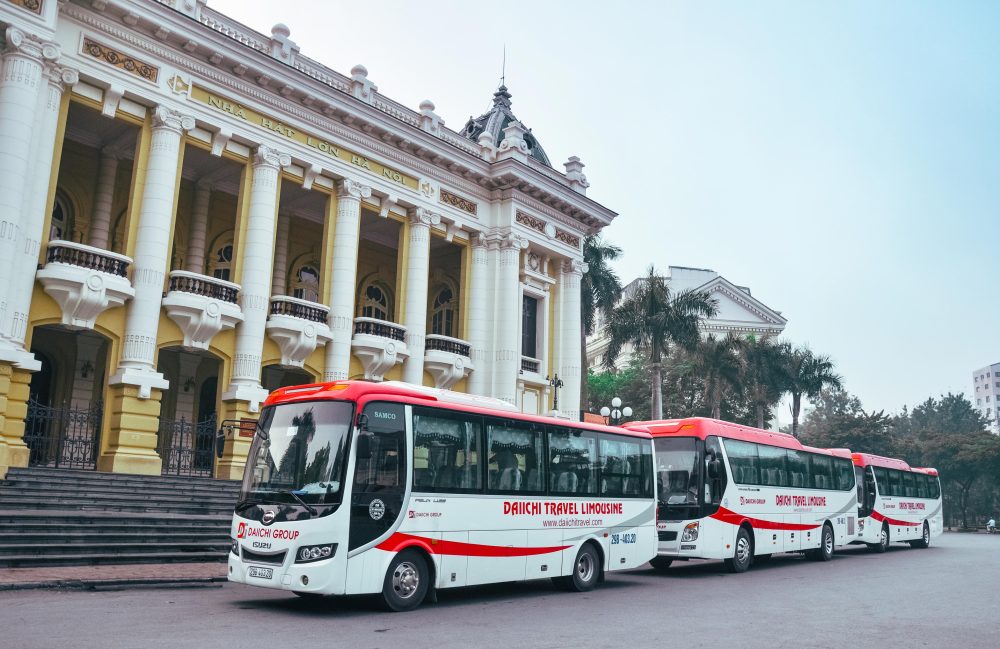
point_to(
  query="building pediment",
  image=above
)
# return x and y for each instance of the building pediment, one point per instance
(738, 307)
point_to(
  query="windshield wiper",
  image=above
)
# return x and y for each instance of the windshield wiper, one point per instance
(309, 508)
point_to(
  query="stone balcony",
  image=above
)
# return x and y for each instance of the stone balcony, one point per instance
(202, 306)
(298, 326)
(84, 281)
(447, 359)
(378, 345)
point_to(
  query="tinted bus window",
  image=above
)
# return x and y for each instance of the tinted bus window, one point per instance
(895, 483)
(909, 485)
(922, 486)
(627, 467)
(798, 469)
(743, 460)
(572, 462)
(771, 465)
(935, 488)
(446, 451)
(515, 461)
(845, 475)
(822, 472)
(882, 480)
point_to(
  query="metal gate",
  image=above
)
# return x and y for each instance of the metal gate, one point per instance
(65, 438)
(187, 448)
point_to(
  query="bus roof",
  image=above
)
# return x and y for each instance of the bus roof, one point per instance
(868, 459)
(702, 427)
(421, 395)
(928, 470)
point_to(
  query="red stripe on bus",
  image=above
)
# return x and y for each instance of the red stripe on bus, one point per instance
(731, 517)
(892, 521)
(399, 541)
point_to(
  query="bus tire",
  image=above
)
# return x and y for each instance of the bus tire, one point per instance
(660, 563)
(406, 581)
(742, 553)
(586, 571)
(883, 541)
(826, 545)
(924, 540)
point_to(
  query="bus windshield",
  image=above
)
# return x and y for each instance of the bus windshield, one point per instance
(677, 469)
(299, 454)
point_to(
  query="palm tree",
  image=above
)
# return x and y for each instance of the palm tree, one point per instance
(652, 318)
(807, 375)
(719, 364)
(766, 373)
(600, 289)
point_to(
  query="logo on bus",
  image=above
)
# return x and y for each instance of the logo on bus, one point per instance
(241, 531)
(267, 518)
(376, 509)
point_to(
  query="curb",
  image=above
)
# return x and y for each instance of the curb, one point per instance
(116, 584)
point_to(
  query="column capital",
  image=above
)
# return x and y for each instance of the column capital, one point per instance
(266, 156)
(574, 267)
(348, 188)
(424, 216)
(512, 241)
(61, 76)
(21, 42)
(169, 119)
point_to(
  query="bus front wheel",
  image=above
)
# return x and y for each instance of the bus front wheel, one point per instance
(406, 581)
(586, 571)
(924, 540)
(742, 553)
(660, 563)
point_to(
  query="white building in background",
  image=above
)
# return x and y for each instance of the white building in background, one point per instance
(739, 312)
(986, 387)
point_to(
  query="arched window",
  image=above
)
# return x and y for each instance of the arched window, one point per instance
(306, 285)
(62, 220)
(443, 310)
(222, 261)
(376, 301)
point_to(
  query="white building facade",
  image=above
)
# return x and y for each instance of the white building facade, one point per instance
(739, 313)
(196, 213)
(986, 388)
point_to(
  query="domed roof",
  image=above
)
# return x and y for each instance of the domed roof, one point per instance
(495, 120)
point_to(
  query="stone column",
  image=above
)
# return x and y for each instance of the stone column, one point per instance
(418, 262)
(135, 388)
(104, 196)
(571, 365)
(255, 280)
(20, 84)
(198, 231)
(279, 283)
(507, 358)
(152, 254)
(343, 272)
(25, 261)
(478, 326)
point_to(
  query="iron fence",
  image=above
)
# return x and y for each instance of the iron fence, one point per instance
(63, 437)
(187, 448)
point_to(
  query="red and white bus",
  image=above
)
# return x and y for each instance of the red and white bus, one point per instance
(354, 487)
(896, 502)
(733, 492)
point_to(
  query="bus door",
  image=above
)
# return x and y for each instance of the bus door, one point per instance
(379, 472)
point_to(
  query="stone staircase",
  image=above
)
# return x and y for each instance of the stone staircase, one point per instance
(56, 517)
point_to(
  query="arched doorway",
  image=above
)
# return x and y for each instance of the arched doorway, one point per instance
(65, 398)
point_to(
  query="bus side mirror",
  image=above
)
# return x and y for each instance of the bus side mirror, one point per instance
(364, 446)
(715, 469)
(220, 443)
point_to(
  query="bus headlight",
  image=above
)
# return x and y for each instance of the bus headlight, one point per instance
(690, 532)
(234, 546)
(310, 553)
(861, 525)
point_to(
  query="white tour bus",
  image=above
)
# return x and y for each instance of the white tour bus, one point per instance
(733, 492)
(355, 487)
(896, 502)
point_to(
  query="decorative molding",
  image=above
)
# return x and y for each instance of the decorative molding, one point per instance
(529, 221)
(119, 60)
(34, 6)
(463, 204)
(567, 238)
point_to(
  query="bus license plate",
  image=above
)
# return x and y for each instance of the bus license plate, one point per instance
(261, 573)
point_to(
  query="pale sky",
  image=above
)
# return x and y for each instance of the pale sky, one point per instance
(840, 159)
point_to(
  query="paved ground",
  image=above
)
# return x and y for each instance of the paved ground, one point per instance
(945, 596)
(94, 576)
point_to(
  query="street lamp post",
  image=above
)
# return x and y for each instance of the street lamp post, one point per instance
(615, 414)
(556, 383)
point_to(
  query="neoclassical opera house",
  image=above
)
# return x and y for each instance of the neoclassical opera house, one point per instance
(193, 214)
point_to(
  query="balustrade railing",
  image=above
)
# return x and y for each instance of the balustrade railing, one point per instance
(203, 285)
(530, 364)
(439, 343)
(380, 328)
(296, 308)
(77, 254)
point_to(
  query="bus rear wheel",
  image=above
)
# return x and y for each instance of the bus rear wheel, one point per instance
(406, 581)
(586, 571)
(924, 540)
(742, 553)
(660, 563)
(825, 550)
(883, 541)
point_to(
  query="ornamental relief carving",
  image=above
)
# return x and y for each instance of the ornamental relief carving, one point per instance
(34, 6)
(457, 201)
(567, 238)
(119, 60)
(529, 221)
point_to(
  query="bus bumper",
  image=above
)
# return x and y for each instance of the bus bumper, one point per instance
(681, 540)
(317, 577)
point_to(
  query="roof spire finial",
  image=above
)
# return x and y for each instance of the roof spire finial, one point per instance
(503, 68)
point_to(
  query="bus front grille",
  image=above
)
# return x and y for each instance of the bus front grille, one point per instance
(256, 557)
